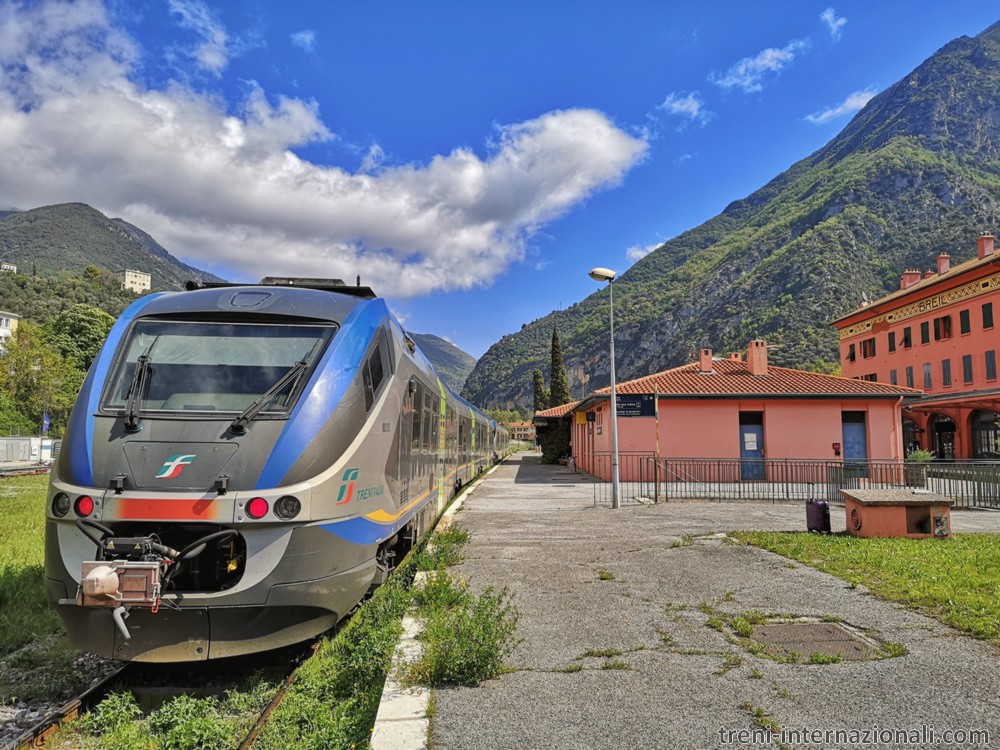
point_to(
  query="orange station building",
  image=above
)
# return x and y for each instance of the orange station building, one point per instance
(939, 334)
(739, 409)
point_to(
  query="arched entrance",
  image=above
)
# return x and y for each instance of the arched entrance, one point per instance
(943, 437)
(985, 435)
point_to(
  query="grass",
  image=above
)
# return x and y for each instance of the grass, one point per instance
(36, 659)
(25, 616)
(605, 575)
(956, 580)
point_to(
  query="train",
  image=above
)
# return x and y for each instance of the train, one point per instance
(244, 464)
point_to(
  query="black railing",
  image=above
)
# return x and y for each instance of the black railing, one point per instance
(646, 478)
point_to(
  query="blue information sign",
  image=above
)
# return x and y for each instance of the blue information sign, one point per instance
(636, 405)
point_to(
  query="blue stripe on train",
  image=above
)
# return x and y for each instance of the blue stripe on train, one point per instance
(80, 430)
(329, 381)
(360, 530)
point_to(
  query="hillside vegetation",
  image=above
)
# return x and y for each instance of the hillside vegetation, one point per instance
(915, 173)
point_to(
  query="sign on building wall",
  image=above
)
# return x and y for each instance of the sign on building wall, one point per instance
(641, 405)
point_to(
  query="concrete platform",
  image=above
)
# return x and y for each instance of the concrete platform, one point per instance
(645, 581)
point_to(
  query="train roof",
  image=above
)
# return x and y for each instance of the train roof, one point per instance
(317, 299)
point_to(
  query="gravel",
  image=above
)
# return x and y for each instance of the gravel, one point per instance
(547, 544)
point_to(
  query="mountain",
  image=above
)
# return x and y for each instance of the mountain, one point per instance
(451, 363)
(72, 236)
(916, 172)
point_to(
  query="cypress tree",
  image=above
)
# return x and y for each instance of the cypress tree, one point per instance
(558, 382)
(541, 392)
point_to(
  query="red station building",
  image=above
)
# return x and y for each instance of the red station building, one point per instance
(937, 334)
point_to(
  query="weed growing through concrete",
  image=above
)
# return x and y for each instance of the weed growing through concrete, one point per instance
(604, 575)
(730, 661)
(756, 674)
(684, 541)
(602, 653)
(616, 664)
(817, 658)
(761, 717)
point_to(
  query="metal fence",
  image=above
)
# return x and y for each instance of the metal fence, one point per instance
(646, 478)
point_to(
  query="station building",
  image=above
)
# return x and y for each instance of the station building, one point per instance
(937, 334)
(738, 408)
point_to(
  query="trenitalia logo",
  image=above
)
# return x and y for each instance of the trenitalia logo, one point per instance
(347, 488)
(174, 465)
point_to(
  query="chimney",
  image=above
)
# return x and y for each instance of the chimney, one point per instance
(985, 245)
(757, 357)
(928, 274)
(735, 357)
(910, 277)
(705, 363)
(943, 263)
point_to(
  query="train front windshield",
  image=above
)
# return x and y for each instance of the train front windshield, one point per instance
(193, 367)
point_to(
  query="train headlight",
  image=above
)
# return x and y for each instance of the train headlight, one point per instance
(287, 507)
(257, 508)
(84, 505)
(61, 505)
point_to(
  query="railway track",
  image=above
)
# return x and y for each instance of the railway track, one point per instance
(23, 471)
(155, 684)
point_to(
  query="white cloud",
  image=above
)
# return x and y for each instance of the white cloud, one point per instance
(305, 40)
(373, 159)
(636, 252)
(687, 105)
(224, 187)
(833, 23)
(211, 53)
(850, 105)
(749, 73)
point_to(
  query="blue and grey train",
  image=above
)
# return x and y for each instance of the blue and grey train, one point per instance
(243, 464)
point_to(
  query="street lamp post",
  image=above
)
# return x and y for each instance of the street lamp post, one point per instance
(606, 274)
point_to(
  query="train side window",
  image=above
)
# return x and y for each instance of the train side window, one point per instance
(372, 374)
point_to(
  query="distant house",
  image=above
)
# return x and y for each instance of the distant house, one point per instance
(5, 266)
(8, 324)
(736, 409)
(134, 281)
(524, 431)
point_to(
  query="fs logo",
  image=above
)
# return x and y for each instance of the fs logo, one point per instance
(347, 488)
(174, 465)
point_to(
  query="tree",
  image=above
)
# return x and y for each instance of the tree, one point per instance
(541, 392)
(78, 333)
(558, 382)
(37, 378)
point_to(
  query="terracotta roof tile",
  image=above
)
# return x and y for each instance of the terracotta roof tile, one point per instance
(557, 411)
(732, 378)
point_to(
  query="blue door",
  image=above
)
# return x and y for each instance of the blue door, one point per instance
(855, 449)
(752, 452)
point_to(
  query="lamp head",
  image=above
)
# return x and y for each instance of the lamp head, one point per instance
(602, 274)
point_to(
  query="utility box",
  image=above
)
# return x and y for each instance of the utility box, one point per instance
(916, 514)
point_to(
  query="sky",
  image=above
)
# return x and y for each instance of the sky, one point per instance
(471, 161)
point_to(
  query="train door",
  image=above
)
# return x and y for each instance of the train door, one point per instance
(406, 419)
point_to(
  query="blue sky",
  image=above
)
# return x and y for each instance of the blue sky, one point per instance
(472, 161)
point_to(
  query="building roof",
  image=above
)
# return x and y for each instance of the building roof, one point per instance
(556, 411)
(10, 315)
(921, 287)
(731, 377)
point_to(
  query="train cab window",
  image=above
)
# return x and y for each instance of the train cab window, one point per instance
(220, 367)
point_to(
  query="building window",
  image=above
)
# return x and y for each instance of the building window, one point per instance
(942, 328)
(991, 365)
(868, 348)
(945, 372)
(851, 356)
(892, 341)
(925, 333)
(927, 375)
(870, 377)
(963, 322)
(892, 377)
(988, 315)
(907, 338)
(967, 368)
(909, 377)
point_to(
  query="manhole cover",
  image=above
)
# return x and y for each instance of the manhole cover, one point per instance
(806, 638)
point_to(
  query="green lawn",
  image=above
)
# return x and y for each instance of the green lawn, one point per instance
(24, 615)
(956, 580)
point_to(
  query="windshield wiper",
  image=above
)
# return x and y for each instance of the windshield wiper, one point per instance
(136, 391)
(239, 425)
